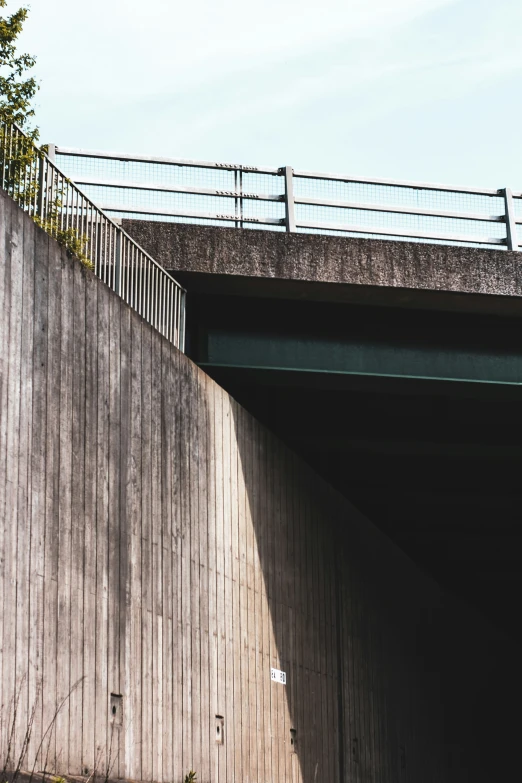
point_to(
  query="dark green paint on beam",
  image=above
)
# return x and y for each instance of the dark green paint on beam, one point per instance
(360, 357)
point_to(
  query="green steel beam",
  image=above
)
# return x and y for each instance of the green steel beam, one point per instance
(360, 357)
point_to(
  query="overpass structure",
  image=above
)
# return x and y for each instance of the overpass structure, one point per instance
(420, 339)
(292, 552)
(373, 326)
(394, 368)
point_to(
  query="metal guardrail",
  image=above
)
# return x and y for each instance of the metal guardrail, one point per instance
(284, 199)
(47, 194)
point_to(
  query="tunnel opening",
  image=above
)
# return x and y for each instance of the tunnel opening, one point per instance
(412, 414)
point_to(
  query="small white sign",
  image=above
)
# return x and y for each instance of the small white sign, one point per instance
(278, 676)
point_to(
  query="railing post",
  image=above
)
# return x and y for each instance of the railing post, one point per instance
(238, 201)
(511, 225)
(241, 198)
(43, 195)
(41, 180)
(289, 198)
(182, 320)
(117, 262)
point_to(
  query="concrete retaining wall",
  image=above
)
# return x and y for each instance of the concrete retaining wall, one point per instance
(160, 552)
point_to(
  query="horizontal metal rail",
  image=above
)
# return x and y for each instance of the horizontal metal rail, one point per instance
(122, 208)
(400, 210)
(191, 190)
(110, 183)
(49, 196)
(396, 183)
(451, 238)
(200, 164)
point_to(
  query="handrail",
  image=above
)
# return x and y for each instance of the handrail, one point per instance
(203, 191)
(49, 196)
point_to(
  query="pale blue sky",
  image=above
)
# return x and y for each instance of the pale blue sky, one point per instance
(410, 89)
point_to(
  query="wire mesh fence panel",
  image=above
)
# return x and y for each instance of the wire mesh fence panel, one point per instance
(402, 210)
(209, 193)
(71, 216)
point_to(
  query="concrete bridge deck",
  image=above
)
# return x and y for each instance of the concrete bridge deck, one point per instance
(364, 270)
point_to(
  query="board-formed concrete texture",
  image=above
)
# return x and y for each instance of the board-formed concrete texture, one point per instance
(161, 552)
(330, 259)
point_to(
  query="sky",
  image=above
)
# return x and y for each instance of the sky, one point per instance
(426, 90)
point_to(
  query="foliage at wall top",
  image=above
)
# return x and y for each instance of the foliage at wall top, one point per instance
(17, 86)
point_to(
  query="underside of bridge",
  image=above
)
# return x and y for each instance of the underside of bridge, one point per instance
(394, 368)
(413, 414)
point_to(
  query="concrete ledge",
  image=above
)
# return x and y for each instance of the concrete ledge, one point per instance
(330, 259)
